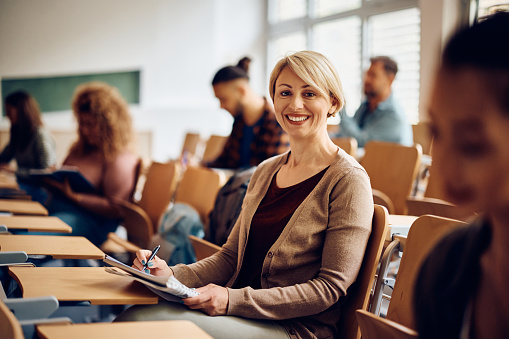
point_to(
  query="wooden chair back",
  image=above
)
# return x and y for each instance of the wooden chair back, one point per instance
(141, 219)
(359, 293)
(392, 169)
(375, 327)
(421, 205)
(138, 227)
(214, 147)
(422, 136)
(434, 185)
(425, 232)
(137, 173)
(9, 324)
(434, 201)
(203, 248)
(191, 142)
(160, 186)
(198, 188)
(349, 145)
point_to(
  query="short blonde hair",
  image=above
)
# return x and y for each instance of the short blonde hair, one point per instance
(315, 70)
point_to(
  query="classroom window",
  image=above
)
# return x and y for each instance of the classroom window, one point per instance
(340, 40)
(482, 8)
(284, 10)
(349, 32)
(397, 34)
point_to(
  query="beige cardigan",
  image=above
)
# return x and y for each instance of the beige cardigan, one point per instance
(312, 263)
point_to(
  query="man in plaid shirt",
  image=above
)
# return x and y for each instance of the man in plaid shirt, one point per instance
(256, 135)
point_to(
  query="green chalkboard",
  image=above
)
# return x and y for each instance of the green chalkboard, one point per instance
(55, 93)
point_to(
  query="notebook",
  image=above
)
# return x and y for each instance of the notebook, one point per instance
(77, 181)
(168, 288)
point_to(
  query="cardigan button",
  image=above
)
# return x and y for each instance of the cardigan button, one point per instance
(270, 254)
(292, 332)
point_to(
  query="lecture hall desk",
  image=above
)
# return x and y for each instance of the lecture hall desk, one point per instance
(176, 329)
(79, 284)
(35, 223)
(8, 181)
(59, 247)
(24, 207)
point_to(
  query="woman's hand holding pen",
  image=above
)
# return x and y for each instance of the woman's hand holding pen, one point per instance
(156, 266)
(213, 299)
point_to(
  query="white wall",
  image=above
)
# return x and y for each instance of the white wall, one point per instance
(439, 19)
(177, 45)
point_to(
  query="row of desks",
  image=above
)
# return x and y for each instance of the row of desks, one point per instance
(76, 284)
(90, 284)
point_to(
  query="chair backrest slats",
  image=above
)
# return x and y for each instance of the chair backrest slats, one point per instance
(424, 233)
(359, 293)
(392, 169)
(198, 188)
(349, 145)
(160, 186)
(9, 325)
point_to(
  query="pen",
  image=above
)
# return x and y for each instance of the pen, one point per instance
(154, 251)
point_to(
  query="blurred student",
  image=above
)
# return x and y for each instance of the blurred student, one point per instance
(380, 116)
(461, 291)
(299, 241)
(30, 144)
(104, 155)
(256, 134)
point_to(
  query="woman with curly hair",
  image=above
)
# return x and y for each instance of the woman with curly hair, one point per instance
(104, 155)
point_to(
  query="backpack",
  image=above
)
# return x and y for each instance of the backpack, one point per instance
(177, 223)
(227, 206)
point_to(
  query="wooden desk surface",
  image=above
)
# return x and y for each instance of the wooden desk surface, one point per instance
(8, 181)
(76, 284)
(59, 247)
(35, 223)
(177, 329)
(16, 206)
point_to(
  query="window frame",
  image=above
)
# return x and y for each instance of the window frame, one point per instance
(367, 9)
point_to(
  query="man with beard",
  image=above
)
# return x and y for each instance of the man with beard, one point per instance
(380, 117)
(256, 134)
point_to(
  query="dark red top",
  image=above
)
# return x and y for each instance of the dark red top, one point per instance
(271, 217)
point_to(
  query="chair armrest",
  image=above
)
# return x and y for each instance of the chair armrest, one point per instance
(129, 246)
(13, 258)
(376, 301)
(136, 222)
(203, 248)
(373, 327)
(32, 308)
(380, 198)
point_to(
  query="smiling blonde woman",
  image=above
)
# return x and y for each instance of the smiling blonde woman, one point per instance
(300, 238)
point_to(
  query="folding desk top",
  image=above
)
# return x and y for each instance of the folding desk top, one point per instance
(177, 329)
(399, 224)
(8, 181)
(35, 223)
(17, 206)
(77, 284)
(59, 247)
